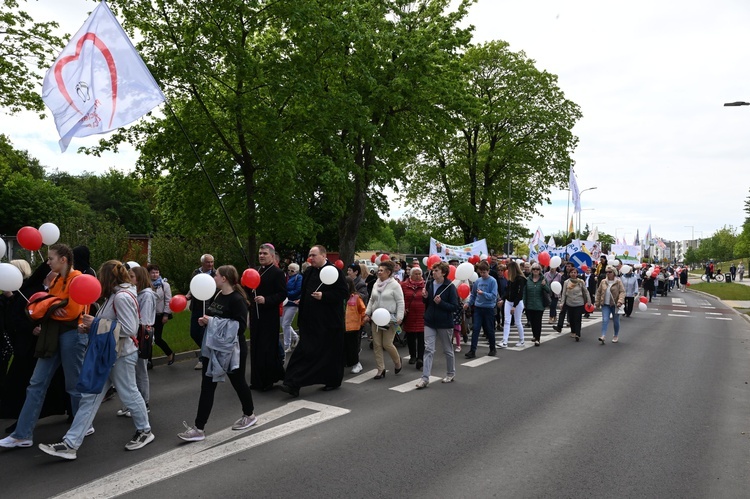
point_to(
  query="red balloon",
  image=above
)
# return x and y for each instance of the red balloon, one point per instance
(588, 307)
(372, 259)
(85, 289)
(451, 272)
(250, 278)
(463, 290)
(687, 284)
(309, 260)
(584, 267)
(544, 258)
(643, 299)
(432, 260)
(384, 257)
(339, 264)
(505, 274)
(31, 239)
(474, 259)
(178, 303)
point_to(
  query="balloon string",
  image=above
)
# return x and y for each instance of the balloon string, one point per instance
(19, 292)
(316, 289)
(257, 309)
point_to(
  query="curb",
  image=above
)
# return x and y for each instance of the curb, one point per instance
(744, 316)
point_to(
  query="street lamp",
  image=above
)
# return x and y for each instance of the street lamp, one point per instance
(736, 104)
(579, 213)
(692, 227)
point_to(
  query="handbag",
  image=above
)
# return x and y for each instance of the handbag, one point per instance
(145, 341)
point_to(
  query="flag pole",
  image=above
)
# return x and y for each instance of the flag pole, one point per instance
(211, 183)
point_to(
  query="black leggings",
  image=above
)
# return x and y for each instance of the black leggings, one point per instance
(629, 301)
(574, 317)
(352, 345)
(535, 317)
(416, 344)
(158, 340)
(208, 387)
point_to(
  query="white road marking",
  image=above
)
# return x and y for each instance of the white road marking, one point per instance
(216, 446)
(678, 301)
(678, 315)
(720, 318)
(479, 362)
(412, 385)
(713, 313)
(682, 311)
(361, 378)
(655, 313)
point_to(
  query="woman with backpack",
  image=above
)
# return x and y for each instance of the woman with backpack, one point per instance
(120, 305)
(59, 342)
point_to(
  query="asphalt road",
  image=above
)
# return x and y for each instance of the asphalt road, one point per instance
(663, 413)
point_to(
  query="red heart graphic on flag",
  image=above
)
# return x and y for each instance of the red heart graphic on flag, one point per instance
(98, 43)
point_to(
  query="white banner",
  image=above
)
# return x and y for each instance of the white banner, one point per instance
(627, 253)
(448, 252)
(98, 82)
(591, 248)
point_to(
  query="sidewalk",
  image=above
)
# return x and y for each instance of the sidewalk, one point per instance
(741, 304)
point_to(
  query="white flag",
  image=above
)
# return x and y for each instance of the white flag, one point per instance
(98, 82)
(551, 242)
(575, 193)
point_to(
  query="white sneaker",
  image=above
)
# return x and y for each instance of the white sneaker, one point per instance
(124, 412)
(198, 366)
(245, 422)
(58, 450)
(520, 344)
(357, 368)
(10, 442)
(502, 345)
(191, 434)
(140, 439)
(90, 431)
(449, 379)
(288, 350)
(295, 340)
(458, 348)
(422, 384)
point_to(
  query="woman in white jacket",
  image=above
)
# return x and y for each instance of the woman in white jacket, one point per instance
(120, 304)
(387, 294)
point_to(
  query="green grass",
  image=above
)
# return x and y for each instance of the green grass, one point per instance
(177, 334)
(724, 291)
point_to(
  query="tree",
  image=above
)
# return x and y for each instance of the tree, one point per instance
(742, 244)
(508, 142)
(27, 47)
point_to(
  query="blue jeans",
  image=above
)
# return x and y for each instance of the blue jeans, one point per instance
(483, 318)
(70, 352)
(123, 377)
(446, 336)
(608, 310)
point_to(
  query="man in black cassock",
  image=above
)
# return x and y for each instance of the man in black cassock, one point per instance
(266, 364)
(319, 356)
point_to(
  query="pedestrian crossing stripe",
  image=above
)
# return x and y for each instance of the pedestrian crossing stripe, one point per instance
(412, 385)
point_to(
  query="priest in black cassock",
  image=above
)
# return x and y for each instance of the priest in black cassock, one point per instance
(266, 364)
(319, 356)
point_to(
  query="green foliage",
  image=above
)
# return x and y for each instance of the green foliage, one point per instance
(106, 239)
(508, 142)
(27, 47)
(724, 290)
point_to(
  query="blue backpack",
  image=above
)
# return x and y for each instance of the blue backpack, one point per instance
(100, 355)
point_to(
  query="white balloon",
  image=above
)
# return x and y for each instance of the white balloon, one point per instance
(381, 317)
(50, 233)
(3, 248)
(519, 261)
(556, 287)
(377, 260)
(424, 261)
(626, 269)
(10, 277)
(617, 262)
(329, 274)
(202, 286)
(637, 266)
(671, 278)
(464, 271)
(642, 307)
(555, 262)
(649, 273)
(133, 264)
(473, 277)
(610, 258)
(483, 257)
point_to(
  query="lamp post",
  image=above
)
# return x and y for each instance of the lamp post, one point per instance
(736, 104)
(579, 213)
(692, 227)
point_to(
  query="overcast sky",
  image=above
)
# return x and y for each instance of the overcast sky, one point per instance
(650, 78)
